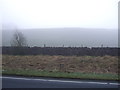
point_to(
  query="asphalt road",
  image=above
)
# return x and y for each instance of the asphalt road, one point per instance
(30, 82)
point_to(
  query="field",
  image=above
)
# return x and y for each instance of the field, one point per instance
(65, 64)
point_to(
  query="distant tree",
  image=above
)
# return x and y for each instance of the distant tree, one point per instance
(44, 45)
(18, 42)
(18, 39)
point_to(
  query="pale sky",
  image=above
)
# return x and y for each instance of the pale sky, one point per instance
(59, 13)
(68, 22)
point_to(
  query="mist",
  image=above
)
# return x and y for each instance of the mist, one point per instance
(69, 37)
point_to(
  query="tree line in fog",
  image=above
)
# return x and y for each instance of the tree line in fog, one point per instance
(66, 51)
(19, 46)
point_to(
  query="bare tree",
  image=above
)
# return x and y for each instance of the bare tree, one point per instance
(18, 39)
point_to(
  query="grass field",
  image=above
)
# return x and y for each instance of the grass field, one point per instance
(73, 75)
(92, 67)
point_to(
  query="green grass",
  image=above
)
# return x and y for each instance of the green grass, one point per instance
(61, 74)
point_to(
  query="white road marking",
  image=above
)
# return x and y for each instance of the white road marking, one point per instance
(114, 83)
(61, 81)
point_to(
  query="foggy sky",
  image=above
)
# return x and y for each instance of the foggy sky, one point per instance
(61, 22)
(60, 13)
(74, 37)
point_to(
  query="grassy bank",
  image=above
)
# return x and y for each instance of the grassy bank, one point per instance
(84, 67)
(61, 74)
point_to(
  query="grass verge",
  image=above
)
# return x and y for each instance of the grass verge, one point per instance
(61, 74)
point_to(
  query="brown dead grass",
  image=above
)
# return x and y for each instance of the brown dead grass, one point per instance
(87, 64)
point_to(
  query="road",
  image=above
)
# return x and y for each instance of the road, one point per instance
(30, 82)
